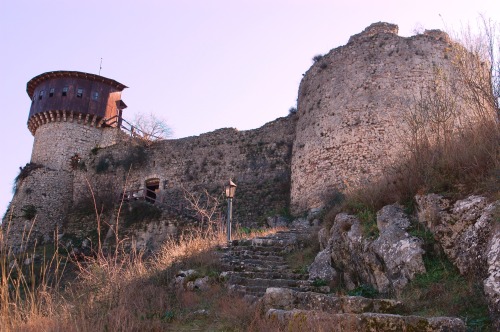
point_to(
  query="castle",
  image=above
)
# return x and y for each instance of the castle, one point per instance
(344, 132)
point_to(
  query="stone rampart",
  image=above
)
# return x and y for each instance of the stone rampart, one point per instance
(257, 160)
(350, 105)
(39, 207)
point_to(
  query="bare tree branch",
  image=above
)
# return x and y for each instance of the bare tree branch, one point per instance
(150, 127)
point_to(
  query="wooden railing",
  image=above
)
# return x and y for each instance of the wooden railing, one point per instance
(134, 131)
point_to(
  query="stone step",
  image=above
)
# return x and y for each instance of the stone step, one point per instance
(300, 320)
(288, 299)
(243, 255)
(268, 275)
(270, 242)
(234, 279)
(251, 263)
(257, 291)
(262, 249)
(253, 268)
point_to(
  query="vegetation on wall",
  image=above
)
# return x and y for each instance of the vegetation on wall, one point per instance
(24, 172)
(29, 211)
(138, 211)
(133, 156)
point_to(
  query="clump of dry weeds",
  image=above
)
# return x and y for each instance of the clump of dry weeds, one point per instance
(119, 291)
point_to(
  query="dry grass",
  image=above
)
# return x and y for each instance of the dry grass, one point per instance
(467, 162)
(121, 291)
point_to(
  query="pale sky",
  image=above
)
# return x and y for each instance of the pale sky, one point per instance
(200, 64)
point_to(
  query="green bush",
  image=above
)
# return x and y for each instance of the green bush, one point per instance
(319, 283)
(139, 211)
(365, 291)
(29, 211)
(135, 157)
(24, 172)
(103, 164)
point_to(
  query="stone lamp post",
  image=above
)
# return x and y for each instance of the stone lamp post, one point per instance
(230, 190)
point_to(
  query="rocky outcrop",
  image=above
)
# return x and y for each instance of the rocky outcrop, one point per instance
(256, 269)
(461, 228)
(469, 233)
(387, 262)
(492, 282)
(299, 311)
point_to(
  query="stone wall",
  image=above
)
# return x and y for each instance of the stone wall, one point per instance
(257, 160)
(350, 105)
(39, 207)
(56, 142)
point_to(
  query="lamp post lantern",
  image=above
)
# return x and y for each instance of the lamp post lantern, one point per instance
(230, 190)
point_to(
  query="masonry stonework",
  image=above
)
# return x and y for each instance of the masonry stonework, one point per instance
(350, 104)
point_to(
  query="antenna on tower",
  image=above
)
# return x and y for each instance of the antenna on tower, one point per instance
(100, 67)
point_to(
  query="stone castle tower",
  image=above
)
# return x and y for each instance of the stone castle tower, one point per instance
(68, 112)
(71, 113)
(350, 104)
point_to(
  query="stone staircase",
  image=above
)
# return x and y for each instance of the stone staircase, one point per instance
(254, 265)
(256, 269)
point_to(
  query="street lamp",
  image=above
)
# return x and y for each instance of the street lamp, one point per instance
(230, 190)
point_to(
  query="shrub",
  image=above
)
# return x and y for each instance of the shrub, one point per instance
(103, 164)
(29, 211)
(442, 291)
(24, 172)
(135, 157)
(365, 291)
(292, 110)
(317, 57)
(95, 150)
(138, 211)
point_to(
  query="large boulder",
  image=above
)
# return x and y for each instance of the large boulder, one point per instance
(462, 229)
(400, 252)
(387, 262)
(469, 234)
(322, 268)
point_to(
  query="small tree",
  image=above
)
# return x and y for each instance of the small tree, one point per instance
(150, 127)
(478, 68)
(207, 209)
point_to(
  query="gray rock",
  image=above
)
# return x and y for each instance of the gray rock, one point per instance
(468, 234)
(392, 216)
(323, 237)
(198, 284)
(492, 282)
(301, 222)
(277, 221)
(400, 252)
(387, 263)
(322, 268)
(314, 213)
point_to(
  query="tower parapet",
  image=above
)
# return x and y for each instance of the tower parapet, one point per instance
(67, 114)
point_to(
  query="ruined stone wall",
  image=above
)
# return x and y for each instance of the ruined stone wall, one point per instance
(257, 160)
(350, 104)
